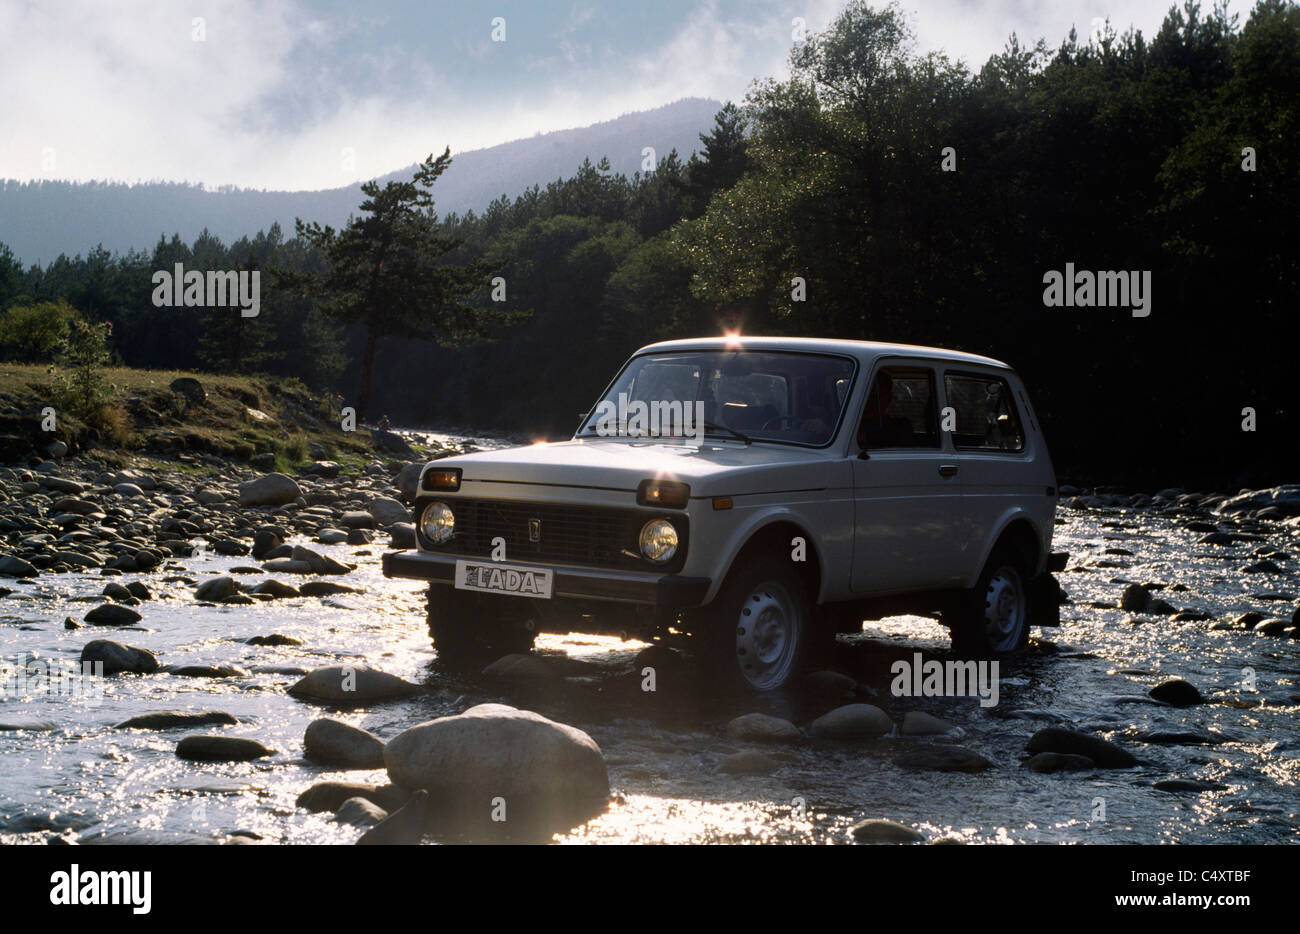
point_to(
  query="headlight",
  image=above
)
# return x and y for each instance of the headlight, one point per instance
(659, 540)
(437, 523)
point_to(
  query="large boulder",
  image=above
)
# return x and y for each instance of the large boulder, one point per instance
(391, 442)
(190, 388)
(546, 773)
(407, 480)
(118, 658)
(388, 511)
(272, 489)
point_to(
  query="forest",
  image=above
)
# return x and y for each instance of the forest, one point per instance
(876, 193)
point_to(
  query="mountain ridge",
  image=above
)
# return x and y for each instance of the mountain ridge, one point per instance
(40, 220)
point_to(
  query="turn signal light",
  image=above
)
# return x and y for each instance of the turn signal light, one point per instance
(672, 494)
(444, 478)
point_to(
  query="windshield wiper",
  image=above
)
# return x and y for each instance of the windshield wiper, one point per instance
(727, 428)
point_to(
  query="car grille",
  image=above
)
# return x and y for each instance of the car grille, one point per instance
(587, 536)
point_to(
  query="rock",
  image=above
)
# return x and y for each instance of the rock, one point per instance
(209, 748)
(170, 719)
(1135, 598)
(230, 547)
(274, 588)
(550, 774)
(852, 721)
(272, 489)
(936, 758)
(325, 589)
(128, 490)
(1262, 567)
(274, 639)
(190, 388)
(920, 723)
(360, 537)
(14, 566)
(392, 442)
(1048, 762)
(408, 479)
(404, 827)
(1177, 692)
(217, 589)
(264, 540)
(115, 591)
(118, 658)
(1249, 620)
(884, 831)
(327, 469)
(761, 728)
(1286, 499)
(402, 535)
(1273, 627)
(1187, 784)
(360, 812)
(56, 449)
(319, 564)
(344, 684)
(329, 536)
(332, 742)
(748, 762)
(1105, 754)
(139, 591)
(330, 796)
(1180, 738)
(357, 519)
(208, 671)
(387, 511)
(113, 614)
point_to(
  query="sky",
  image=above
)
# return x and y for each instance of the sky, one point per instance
(309, 94)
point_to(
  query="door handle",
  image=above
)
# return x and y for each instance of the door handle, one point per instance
(948, 470)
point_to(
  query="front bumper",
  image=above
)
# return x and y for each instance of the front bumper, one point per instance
(665, 590)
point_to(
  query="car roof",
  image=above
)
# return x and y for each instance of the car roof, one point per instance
(864, 351)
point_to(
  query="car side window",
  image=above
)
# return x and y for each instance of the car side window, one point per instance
(986, 418)
(900, 410)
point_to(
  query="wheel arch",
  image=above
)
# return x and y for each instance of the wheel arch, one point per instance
(774, 533)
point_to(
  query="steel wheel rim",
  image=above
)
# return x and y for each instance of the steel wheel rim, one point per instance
(768, 629)
(1004, 609)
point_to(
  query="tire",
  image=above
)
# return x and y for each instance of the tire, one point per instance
(756, 632)
(992, 619)
(471, 628)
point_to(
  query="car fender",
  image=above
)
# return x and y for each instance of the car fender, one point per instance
(996, 529)
(753, 525)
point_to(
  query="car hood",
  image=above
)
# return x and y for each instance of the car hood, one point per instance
(713, 468)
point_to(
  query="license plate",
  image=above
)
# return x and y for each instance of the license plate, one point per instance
(491, 577)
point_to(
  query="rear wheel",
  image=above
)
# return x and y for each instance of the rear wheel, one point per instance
(993, 618)
(469, 628)
(756, 632)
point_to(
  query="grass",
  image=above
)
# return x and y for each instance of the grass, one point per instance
(242, 416)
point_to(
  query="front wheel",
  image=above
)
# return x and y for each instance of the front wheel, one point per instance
(756, 632)
(470, 628)
(993, 618)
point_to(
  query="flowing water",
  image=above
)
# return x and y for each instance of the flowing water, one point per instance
(65, 769)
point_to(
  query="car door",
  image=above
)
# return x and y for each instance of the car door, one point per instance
(906, 496)
(992, 452)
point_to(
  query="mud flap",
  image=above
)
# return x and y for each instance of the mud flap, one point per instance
(1045, 599)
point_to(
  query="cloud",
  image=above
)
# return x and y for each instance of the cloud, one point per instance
(278, 95)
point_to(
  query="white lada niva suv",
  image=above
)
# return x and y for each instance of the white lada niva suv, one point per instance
(757, 495)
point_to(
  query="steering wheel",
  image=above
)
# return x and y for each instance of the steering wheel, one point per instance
(779, 419)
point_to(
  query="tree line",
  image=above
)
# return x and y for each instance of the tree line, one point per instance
(876, 193)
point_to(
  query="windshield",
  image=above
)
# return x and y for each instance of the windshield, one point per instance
(786, 397)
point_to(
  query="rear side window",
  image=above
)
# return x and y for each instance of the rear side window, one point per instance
(900, 411)
(986, 413)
